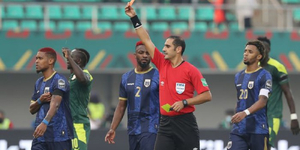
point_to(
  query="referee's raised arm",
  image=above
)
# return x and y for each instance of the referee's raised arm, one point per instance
(140, 30)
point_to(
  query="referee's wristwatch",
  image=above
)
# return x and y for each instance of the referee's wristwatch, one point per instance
(185, 103)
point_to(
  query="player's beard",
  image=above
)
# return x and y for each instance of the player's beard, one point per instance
(144, 65)
(41, 70)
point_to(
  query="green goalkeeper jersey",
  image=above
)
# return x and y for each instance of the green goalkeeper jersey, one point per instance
(279, 77)
(80, 97)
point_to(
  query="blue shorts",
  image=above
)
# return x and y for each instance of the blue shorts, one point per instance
(248, 142)
(64, 145)
(144, 141)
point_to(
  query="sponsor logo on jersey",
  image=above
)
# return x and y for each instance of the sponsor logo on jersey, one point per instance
(46, 90)
(204, 83)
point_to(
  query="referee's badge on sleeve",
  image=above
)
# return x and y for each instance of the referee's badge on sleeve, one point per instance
(180, 87)
(61, 84)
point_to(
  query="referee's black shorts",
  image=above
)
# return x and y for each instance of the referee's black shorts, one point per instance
(178, 133)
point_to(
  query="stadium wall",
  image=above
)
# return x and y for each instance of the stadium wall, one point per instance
(209, 140)
(16, 90)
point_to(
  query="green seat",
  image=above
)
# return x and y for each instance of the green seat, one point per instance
(149, 11)
(109, 12)
(54, 12)
(184, 12)
(18, 0)
(65, 25)
(200, 26)
(233, 26)
(9, 25)
(213, 26)
(51, 26)
(29, 24)
(166, 13)
(83, 25)
(122, 14)
(2, 11)
(65, 0)
(205, 13)
(290, 1)
(71, 12)
(159, 26)
(296, 14)
(121, 26)
(182, 26)
(230, 17)
(103, 25)
(14, 11)
(34, 11)
(87, 11)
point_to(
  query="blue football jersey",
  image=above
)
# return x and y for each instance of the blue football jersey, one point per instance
(141, 90)
(248, 86)
(60, 127)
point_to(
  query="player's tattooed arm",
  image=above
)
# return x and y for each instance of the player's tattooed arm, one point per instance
(35, 105)
(54, 105)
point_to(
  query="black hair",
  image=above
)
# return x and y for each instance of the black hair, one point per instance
(265, 41)
(178, 41)
(262, 50)
(84, 55)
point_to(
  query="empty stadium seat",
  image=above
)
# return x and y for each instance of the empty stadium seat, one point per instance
(29, 24)
(54, 12)
(71, 12)
(83, 25)
(9, 25)
(213, 26)
(182, 26)
(18, 0)
(149, 11)
(109, 12)
(233, 26)
(296, 14)
(184, 12)
(159, 26)
(200, 26)
(14, 11)
(121, 26)
(205, 13)
(2, 12)
(230, 16)
(64, 25)
(42, 27)
(34, 11)
(290, 1)
(166, 13)
(87, 11)
(104, 25)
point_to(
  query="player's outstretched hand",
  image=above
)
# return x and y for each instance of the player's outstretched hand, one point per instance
(40, 130)
(129, 10)
(295, 127)
(110, 135)
(66, 52)
(238, 117)
(46, 97)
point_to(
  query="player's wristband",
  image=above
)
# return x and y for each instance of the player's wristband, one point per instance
(294, 116)
(136, 22)
(185, 103)
(45, 122)
(247, 112)
(39, 101)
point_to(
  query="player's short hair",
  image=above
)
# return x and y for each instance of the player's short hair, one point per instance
(50, 52)
(266, 41)
(178, 41)
(261, 48)
(84, 55)
(139, 43)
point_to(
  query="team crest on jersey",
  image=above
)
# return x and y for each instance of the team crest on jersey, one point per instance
(46, 90)
(229, 145)
(147, 82)
(180, 87)
(61, 84)
(250, 84)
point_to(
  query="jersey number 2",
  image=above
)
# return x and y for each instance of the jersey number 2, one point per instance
(137, 94)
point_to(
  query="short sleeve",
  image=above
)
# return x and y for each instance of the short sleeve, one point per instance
(158, 59)
(35, 94)
(122, 89)
(198, 81)
(60, 84)
(266, 82)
